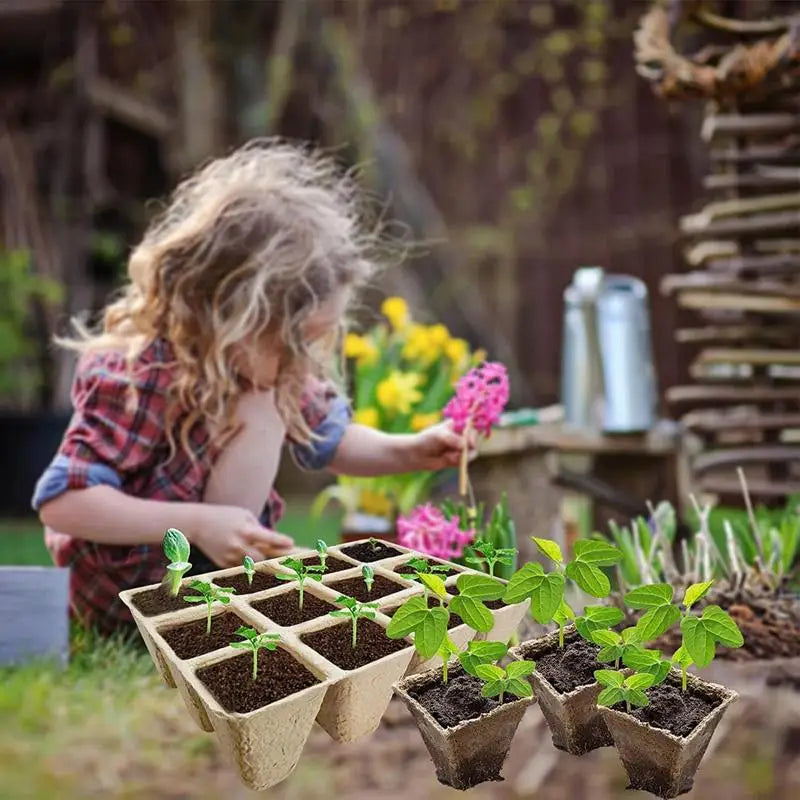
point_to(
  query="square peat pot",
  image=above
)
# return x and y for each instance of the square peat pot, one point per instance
(656, 760)
(473, 751)
(35, 614)
(574, 719)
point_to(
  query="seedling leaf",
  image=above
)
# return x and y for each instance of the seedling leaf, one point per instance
(609, 677)
(599, 554)
(490, 672)
(481, 587)
(657, 620)
(610, 696)
(641, 680)
(698, 641)
(434, 583)
(549, 548)
(176, 546)
(519, 669)
(592, 580)
(696, 592)
(722, 627)
(652, 596)
(519, 586)
(473, 612)
(481, 653)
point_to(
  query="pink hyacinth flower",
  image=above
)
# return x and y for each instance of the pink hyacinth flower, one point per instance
(481, 395)
(428, 531)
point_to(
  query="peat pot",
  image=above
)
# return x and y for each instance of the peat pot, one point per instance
(472, 751)
(658, 761)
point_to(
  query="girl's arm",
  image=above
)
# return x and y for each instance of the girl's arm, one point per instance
(366, 452)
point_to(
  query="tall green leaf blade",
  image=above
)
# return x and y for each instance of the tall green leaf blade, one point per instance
(592, 580)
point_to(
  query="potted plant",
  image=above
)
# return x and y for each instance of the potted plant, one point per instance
(567, 658)
(402, 375)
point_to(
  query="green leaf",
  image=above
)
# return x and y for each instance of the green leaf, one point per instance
(194, 599)
(639, 659)
(652, 596)
(481, 587)
(564, 614)
(519, 669)
(490, 672)
(407, 618)
(176, 545)
(610, 696)
(481, 653)
(606, 638)
(608, 654)
(609, 677)
(682, 658)
(657, 621)
(434, 583)
(494, 688)
(659, 671)
(722, 627)
(592, 580)
(547, 596)
(641, 680)
(605, 616)
(429, 635)
(178, 566)
(695, 592)
(473, 612)
(549, 548)
(519, 687)
(698, 641)
(636, 697)
(600, 554)
(631, 636)
(519, 586)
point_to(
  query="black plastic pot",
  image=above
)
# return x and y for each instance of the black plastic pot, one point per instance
(28, 443)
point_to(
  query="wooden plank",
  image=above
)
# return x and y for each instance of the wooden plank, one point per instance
(754, 225)
(722, 282)
(763, 489)
(717, 422)
(733, 180)
(738, 301)
(719, 125)
(738, 456)
(756, 265)
(748, 355)
(711, 395)
(740, 206)
(783, 153)
(737, 333)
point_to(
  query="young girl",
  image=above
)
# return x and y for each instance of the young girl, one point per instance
(222, 346)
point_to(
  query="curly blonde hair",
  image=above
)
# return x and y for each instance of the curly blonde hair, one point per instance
(251, 244)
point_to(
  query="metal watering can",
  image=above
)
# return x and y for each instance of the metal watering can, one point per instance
(608, 377)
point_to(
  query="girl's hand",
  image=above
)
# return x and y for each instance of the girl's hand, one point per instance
(437, 447)
(226, 534)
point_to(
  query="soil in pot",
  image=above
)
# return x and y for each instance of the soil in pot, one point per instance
(332, 564)
(368, 552)
(335, 644)
(190, 640)
(673, 710)
(355, 587)
(493, 604)
(405, 569)
(568, 669)
(261, 582)
(231, 681)
(160, 601)
(284, 609)
(433, 602)
(456, 701)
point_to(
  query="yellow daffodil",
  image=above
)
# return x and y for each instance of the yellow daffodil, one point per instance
(399, 391)
(456, 350)
(425, 343)
(360, 348)
(439, 336)
(377, 503)
(395, 309)
(421, 421)
(367, 416)
(479, 356)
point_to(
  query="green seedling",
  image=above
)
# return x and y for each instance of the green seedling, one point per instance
(499, 682)
(481, 653)
(546, 589)
(596, 618)
(209, 594)
(468, 604)
(355, 611)
(485, 553)
(368, 574)
(682, 659)
(422, 566)
(302, 573)
(249, 569)
(618, 688)
(614, 646)
(446, 651)
(649, 661)
(255, 641)
(322, 551)
(176, 549)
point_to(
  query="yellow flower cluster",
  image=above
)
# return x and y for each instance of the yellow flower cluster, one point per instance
(395, 309)
(360, 348)
(399, 391)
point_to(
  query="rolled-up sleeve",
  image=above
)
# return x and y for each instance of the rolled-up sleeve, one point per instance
(328, 414)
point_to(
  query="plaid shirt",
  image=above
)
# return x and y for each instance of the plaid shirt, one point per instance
(114, 441)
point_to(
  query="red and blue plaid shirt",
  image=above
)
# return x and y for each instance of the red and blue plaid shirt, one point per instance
(112, 441)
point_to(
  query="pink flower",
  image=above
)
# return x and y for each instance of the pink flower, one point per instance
(428, 531)
(481, 395)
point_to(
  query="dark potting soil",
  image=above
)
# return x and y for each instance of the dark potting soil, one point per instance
(355, 587)
(371, 551)
(404, 569)
(191, 640)
(278, 675)
(453, 622)
(458, 700)
(332, 564)
(284, 609)
(493, 604)
(335, 643)
(570, 668)
(673, 710)
(261, 581)
(159, 601)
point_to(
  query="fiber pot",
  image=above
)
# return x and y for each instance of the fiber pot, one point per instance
(574, 719)
(473, 751)
(656, 760)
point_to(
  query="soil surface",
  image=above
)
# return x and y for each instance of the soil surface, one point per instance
(335, 644)
(369, 552)
(231, 681)
(191, 640)
(284, 609)
(159, 601)
(355, 587)
(570, 668)
(457, 700)
(261, 581)
(493, 604)
(673, 710)
(404, 569)
(332, 564)
(453, 622)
